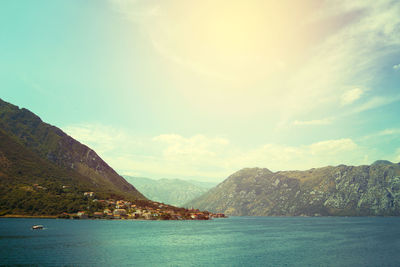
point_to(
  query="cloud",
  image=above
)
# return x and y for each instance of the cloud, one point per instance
(376, 26)
(391, 132)
(376, 102)
(202, 157)
(396, 67)
(325, 121)
(351, 96)
(102, 138)
(316, 54)
(137, 11)
(332, 147)
(165, 155)
(319, 154)
(193, 147)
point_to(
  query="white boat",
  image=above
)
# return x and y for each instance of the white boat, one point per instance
(37, 227)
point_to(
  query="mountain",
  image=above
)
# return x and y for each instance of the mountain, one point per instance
(170, 191)
(43, 171)
(206, 185)
(52, 145)
(34, 186)
(368, 190)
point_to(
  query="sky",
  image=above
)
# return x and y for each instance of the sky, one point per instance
(200, 89)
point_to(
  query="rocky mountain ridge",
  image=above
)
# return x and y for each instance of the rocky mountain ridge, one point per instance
(368, 190)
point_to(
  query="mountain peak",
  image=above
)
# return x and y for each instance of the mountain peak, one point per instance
(382, 162)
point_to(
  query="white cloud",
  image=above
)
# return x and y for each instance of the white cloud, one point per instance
(389, 132)
(214, 158)
(202, 157)
(319, 154)
(341, 43)
(100, 137)
(325, 121)
(343, 57)
(351, 96)
(376, 102)
(332, 147)
(138, 11)
(166, 155)
(193, 147)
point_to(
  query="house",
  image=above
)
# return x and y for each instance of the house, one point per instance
(120, 212)
(202, 216)
(147, 216)
(120, 204)
(98, 214)
(37, 186)
(137, 213)
(170, 212)
(88, 194)
(107, 211)
(82, 215)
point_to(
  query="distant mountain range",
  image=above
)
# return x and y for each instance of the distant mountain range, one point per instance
(368, 190)
(37, 160)
(170, 191)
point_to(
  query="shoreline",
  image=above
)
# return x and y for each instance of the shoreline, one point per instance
(16, 216)
(30, 216)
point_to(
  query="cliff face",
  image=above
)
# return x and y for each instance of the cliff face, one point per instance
(341, 190)
(51, 143)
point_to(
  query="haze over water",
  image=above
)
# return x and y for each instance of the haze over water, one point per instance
(236, 241)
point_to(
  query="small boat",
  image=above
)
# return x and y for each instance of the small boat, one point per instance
(37, 227)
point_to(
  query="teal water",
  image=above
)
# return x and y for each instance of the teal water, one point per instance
(236, 241)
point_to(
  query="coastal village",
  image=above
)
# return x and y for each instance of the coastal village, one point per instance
(139, 210)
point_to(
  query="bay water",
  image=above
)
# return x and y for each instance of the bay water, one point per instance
(235, 241)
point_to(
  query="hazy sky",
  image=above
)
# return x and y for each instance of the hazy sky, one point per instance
(200, 89)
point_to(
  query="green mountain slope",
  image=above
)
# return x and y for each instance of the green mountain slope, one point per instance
(34, 186)
(52, 144)
(171, 191)
(341, 190)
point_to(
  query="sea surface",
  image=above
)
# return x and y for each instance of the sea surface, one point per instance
(236, 241)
